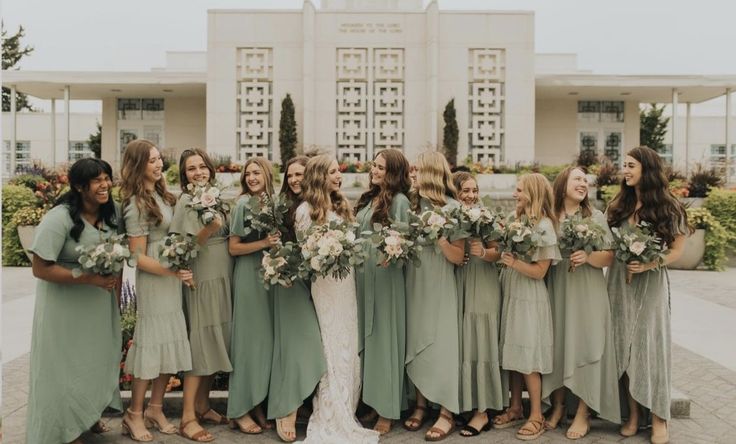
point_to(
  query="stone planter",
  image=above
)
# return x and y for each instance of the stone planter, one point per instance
(693, 252)
(692, 202)
(26, 234)
(355, 180)
(487, 182)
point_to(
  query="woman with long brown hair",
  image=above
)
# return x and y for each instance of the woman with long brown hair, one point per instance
(433, 311)
(298, 360)
(382, 292)
(160, 342)
(208, 305)
(641, 309)
(251, 349)
(584, 361)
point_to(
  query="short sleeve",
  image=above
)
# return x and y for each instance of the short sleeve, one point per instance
(600, 218)
(186, 219)
(400, 208)
(547, 248)
(680, 226)
(237, 218)
(52, 233)
(135, 225)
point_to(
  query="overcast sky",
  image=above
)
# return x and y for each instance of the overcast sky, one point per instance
(611, 36)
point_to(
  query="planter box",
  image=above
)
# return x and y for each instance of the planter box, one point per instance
(26, 234)
(693, 252)
(487, 182)
(351, 180)
(693, 202)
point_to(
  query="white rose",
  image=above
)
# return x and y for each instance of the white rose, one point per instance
(474, 214)
(394, 250)
(393, 240)
(315, 263)
(208, 199)
(637, 247)
(117, 250)
(435, 220)
(581, 228)
(350, 236)
(100, 249)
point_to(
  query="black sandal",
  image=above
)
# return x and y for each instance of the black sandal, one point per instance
(469, 431)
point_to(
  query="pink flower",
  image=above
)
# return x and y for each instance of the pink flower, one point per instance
(637, 247)
(208, 199)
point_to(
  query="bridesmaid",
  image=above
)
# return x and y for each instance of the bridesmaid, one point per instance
(208, 306)
(526, 318)
(584, 358)
(251, 348)
(433, 312)
(641, 310)
(298, 358)
(75, 348)
(160, 344)
(479, 293)
(382, 292)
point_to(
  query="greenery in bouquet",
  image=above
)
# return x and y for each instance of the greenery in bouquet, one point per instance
(394, 244)
(280, 265)
(265, 214)
(177, 252)
(331, 249)
(426, 228)
(206, 201)
(637, 243)
(520, 238)
(105, 258)
(478, 222)
(581, 234)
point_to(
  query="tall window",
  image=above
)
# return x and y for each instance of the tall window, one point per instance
(601, 128)
(140, 118)
(140, 109)
(718, 158)
(79, 149)
(666, 154)
(22, 155)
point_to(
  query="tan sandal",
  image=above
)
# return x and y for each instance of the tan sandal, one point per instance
(201, 436)
(207, 417)
(507, 419)
(282, 430)
(413, 423)
(441, 434)
(128, 431)
(252, 429)
(548, 414)
(167, 428)
(536, 431)
(383, 425)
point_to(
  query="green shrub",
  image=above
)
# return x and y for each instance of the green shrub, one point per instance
(716, 237)
(28, 216)
(722, 205)
(172, 174)
(608, 192)
(551, 171)
(16, 197)
(27, 180)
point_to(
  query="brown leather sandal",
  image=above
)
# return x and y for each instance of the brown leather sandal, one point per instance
(208, 417)
(412, 423)
(441, 434)
(507, 419)
(252, 429)
(200, 436)
(536, 430)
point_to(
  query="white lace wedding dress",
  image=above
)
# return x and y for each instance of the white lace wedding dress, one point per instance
(333, 418)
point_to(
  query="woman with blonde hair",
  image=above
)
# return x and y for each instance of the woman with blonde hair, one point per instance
(251, 346)
(433, 310)
(160, 342)
(333, 419)
(526, 317)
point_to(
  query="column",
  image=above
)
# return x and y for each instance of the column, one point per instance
(308, 105)
(728, 135)
(53, 130)
(675, 144)
(687, 141)
(13, 129)
(67, 94)
(433, 56)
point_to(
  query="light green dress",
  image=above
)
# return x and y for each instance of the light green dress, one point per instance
(433, 327)
(160, 341)
(482, 382)
(382, 321)
(208, 308)
(251, 347)
(584, 356)
(298, 356)
(76, 342)
(526, 317)
(642, 333)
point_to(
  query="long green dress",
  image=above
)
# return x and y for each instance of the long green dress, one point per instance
(251, 347)
(526, 317)
(642, 333)
(584, 356)
(208, 307)
(75, 348)
(298, 356)
(160, 341)
(481, 378)
(433, 326)
(382, 321)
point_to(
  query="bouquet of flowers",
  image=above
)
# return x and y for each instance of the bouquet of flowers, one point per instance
(265, 214)
(177, 253)
(280, 265)
(520, 238)
(331, 249)
(394, 244)
(581, 233)
(106, 258)
(479, 222)
(427, 227)
(206, 201)
(637, 243)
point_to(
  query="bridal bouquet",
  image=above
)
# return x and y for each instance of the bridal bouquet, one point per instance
(395, 245)
(178, 252)
(206, 201)
(280, 265)
(106, 258)
(478, 222)
(637, 243)
(581, 233)
(331, 249)
(427, 227)
(265, 214)
(520, 238)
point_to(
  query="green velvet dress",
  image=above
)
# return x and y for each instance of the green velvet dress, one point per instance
(75, 347)
(381, 296)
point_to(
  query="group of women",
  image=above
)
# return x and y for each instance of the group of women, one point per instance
(459, 332)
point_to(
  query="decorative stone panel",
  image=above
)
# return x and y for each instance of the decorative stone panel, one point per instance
(487, 71)
(255, 102)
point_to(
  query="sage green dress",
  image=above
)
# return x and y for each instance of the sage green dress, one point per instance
(482, 382)
(526, 317)
(208, 307)
(433, 323)
(160, 341)
(382, 321)
(251, 347)
(642, 333)
(76, 342)
(584, 356)
(298, 356)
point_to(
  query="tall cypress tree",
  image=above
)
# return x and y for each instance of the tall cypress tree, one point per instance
(287, 130)
(653, 127)
(13, 51)
(450, 133)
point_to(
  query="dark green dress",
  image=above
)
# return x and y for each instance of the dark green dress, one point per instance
(208, 308)
(382, 321)
(75, 348)
(251, 346)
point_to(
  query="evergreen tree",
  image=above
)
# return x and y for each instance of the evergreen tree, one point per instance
(95, 141)
(287, 130)
(13, 52)
(653, 127)
(450, 133)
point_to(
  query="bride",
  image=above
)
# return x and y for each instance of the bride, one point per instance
(333, 419)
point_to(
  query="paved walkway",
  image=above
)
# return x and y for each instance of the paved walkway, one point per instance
(704, 369)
